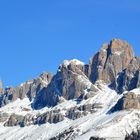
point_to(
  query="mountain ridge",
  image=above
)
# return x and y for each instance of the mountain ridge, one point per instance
(106, 88)
(104, 65)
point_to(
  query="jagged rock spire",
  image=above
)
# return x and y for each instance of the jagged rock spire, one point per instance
(112, 59)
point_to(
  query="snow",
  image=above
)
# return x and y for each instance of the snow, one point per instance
(45, 82)
(101, 123)
(84, 80)
(118, 52)
(29, 82)
(136, 91)
(104, 50)
(75, 61)
(17, 107)
(21, 107)
(22, 84)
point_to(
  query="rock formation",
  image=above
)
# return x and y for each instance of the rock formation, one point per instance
(70, 82)
(110, 61)
(131, 101)
(128, 101)
(96, 138)
(133, 135)
(18, 120)
(67, 134)
(29, 89)
(130, 78)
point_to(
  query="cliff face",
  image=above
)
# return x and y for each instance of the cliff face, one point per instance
(129, 78)
(28, 89)
(70, 82)
(110, 61)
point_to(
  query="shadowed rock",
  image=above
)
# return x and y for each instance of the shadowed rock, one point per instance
(29, 89)
(128, 101)
(96, 138)
(70, 82)
(130, 78)
(133, 136)
(68, 134)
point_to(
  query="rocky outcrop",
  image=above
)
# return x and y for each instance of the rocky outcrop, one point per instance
(96, 138)
(74, 80)
(70, 82)
(129, 78)
(131, 101)
(133, 136)
(81, 111)
(3, 117)
(38, 84)
(50, 95)
(110, 61)
(68, 134)
(53, 116)
(74, 113)
(29, 89)
(116, 65)
(14, 120)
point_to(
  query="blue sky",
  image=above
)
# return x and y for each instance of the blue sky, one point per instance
(37, 35)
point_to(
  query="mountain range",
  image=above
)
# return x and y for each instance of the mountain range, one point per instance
(95, 101)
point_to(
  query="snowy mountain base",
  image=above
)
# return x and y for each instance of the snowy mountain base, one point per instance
(100, 123)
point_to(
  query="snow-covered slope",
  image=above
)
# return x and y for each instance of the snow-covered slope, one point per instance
(101, 123)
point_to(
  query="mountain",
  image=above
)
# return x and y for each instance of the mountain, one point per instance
(99, 100)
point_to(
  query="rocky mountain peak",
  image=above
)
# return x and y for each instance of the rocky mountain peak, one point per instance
(112, 59)
(116, 43)
(119, 47)
(73, 66)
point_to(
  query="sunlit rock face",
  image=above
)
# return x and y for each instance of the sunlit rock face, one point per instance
(110, 61)
(74, 80)
(131, 101)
